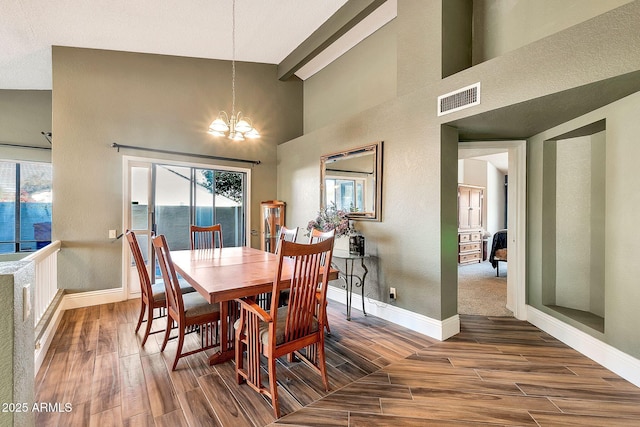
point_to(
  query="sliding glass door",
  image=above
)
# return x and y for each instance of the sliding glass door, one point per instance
(189, 195)
(180, 195)
(139, 217)
(172, 204)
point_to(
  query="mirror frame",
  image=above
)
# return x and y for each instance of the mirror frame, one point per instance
(376, 148)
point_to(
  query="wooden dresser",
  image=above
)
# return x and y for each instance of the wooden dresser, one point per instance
(470, 224)
(469, 246)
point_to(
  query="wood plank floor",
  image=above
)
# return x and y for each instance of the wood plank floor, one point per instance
(497, 371)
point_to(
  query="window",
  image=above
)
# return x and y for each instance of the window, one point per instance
(25, 206)
(187, 195)
(346, 193)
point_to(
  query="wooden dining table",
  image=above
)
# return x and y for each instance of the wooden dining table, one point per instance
(222, 275)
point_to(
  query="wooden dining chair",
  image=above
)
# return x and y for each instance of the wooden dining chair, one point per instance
(205, 237)
(153, 295)
(315, 237)
(191, 312)
(287, 329)
(290, 235)
(286, 234)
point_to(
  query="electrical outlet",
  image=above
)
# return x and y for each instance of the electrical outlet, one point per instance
(112, 234)
(392, 293)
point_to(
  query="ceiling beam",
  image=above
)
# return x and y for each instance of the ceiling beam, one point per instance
(335, 27)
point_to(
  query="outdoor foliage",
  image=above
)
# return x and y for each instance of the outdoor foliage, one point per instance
(228, 184)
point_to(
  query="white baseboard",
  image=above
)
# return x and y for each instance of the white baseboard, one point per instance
(42, 345)
(438, 329)
(610, 357)
(87, 299)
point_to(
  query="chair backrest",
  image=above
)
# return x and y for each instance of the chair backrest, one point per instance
(305, 264)
(204, 237)
(288, 234)
(171, 284)
(143, 273)
(318, 236)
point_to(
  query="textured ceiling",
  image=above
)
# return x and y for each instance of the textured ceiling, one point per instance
(266, 30)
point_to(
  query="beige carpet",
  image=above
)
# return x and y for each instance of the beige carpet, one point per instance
(480, 292)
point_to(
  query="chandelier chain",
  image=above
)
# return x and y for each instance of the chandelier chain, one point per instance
(234, 126)
(233, 58)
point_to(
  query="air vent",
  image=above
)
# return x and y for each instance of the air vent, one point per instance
(459, 99)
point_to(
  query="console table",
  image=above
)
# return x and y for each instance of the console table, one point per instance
(350, 278)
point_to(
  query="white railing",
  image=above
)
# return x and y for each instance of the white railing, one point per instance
(46, 278)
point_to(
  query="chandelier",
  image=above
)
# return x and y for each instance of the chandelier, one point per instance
(235, 126)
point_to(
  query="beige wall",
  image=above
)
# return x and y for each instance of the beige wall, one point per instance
(6, 351)
(500, 26)
(495, 199)
(475, 172)
(414, 245)
(17, 366)
(573, 223)
(377, 53)
(412, 264)
(23, 115)
(155, 101)
(598, 230)
(621, 246)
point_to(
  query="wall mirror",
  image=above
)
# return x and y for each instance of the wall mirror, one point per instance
(352, 180)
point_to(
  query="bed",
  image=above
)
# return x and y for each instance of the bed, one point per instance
(498, 250)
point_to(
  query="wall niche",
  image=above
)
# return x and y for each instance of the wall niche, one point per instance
(573, 226)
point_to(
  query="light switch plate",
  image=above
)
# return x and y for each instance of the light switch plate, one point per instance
(112, 234)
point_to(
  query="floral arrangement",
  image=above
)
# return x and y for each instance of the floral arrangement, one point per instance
(331, 218)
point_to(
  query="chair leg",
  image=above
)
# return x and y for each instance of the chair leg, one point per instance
(149, 322)
(322, 363)
(143, 306)
(273, 387)
(497, 269)
(166, 333)
(326, 320)
(239, 356)
(179, 350)
(324, 314)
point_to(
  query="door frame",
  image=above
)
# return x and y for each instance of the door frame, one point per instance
(127, 162)
(516, 220)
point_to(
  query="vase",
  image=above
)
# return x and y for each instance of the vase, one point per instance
(341, 243)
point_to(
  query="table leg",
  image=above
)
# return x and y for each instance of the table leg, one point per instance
(348, 276)
(364, 275)
(228, 315)
(348, 279)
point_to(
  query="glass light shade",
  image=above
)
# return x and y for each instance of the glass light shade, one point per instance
(243, 126)
(218, 125)
(234, 126)
(252, 134)
(236, 136)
